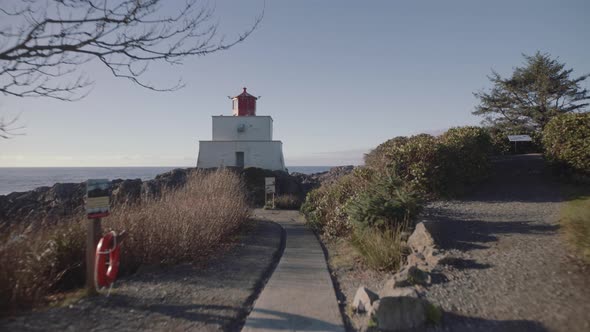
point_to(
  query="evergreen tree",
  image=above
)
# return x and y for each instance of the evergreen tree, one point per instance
(532, 96)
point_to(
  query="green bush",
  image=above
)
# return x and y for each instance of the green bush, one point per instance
(384, 204)
(413, 159)
(464, 159)
(500, 145)
(436, 166)
(566, 139)
(324, 207)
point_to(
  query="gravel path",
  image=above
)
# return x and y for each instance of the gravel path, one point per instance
(181, 298)
(509, 268)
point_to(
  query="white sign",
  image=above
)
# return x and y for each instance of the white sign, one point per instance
(269, 185)
(97, 198)
(519, 138)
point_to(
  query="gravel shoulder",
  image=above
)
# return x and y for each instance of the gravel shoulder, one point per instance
(216, 297)
(508, 268)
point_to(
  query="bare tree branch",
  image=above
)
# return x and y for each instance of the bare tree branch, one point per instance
(9, 127)
(43, 43)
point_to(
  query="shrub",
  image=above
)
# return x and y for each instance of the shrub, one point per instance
(566, 139)
(464, 159)
(413, 159)
(183, 225)
(324, 207)
(433, 166)
(384, 204)
(287, 202)
(500, 145)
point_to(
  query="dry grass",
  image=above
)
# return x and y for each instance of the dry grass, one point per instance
(575, 221)
(183, 225)
(34, 264)
(381, 250)
(287, 202)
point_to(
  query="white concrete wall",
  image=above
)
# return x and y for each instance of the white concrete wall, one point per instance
(256, 128)
(267, 155)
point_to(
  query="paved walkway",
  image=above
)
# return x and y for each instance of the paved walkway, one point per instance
(299, 295)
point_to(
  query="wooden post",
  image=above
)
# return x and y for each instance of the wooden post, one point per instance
(92, 238)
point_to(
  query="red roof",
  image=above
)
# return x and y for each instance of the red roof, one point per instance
(244, 94)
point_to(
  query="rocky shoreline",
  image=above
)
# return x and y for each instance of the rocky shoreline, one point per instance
(46, 205)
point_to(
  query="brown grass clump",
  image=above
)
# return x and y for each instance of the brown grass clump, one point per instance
(183, 225)
(288, 202)
(382, 250)
(35, 263)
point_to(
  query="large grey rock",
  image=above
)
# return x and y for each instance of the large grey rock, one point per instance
(399, 313)
(409, 276)
(389, 290)
(364, 299)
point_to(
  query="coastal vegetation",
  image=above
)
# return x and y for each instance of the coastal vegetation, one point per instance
(537, 91)
(575, 221)
(374, 206)
(566, 140)
(187, 224)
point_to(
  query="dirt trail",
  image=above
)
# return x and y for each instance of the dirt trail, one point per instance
(181, 298)
(510, 269)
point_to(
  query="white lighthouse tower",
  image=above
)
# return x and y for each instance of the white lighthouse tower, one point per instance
(242, 140)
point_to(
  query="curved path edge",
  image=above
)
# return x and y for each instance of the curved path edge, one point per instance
(300, 294)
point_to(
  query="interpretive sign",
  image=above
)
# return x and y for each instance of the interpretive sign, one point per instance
(269, 185)
(97, 198)
(519, 138)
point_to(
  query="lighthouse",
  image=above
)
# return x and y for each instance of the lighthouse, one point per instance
(243, 139)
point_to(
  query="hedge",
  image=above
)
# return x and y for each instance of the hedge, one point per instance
(566, 139)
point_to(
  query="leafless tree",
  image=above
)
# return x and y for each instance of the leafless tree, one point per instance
(43, 43)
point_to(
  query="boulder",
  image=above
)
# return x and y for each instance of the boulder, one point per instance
(399, 313)
(364, 299)
(426, 260)
(409, 276)
(389, 290)
(422, 239)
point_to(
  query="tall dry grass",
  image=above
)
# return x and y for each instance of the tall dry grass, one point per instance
(382, 250)
(182, 225)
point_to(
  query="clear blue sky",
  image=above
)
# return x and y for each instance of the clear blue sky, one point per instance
(338, 77)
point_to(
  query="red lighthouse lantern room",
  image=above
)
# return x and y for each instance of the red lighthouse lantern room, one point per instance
(244, 104)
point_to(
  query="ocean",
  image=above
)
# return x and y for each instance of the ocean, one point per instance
(27, 178)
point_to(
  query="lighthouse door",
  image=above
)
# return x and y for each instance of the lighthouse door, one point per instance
(240, 159)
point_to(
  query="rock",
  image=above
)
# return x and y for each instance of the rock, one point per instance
(390, 291)
(425, 253)
(422, 238)
(399, 313)
(409, 276)
(364, 299)
(426, 260)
